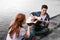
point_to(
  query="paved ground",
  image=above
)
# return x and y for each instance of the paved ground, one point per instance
(54, 24)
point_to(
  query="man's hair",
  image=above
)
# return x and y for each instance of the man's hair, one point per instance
(44, 6)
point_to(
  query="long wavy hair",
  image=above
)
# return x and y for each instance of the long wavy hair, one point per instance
(15, 27)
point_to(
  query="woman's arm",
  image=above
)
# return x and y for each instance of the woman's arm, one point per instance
(27, 34)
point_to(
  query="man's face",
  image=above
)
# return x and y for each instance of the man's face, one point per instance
(43, 10)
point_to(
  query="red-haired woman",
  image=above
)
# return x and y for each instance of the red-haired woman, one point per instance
(16, 30)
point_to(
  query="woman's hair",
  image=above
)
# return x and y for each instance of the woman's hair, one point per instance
(15, 27)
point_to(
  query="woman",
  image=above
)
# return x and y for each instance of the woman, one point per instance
(16, 30)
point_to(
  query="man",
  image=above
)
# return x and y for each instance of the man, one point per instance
(41, 26)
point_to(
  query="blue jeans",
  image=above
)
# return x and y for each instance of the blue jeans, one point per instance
(31, 36)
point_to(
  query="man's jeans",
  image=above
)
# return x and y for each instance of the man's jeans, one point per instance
(31, 36)
(34, 33)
